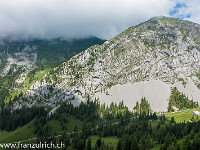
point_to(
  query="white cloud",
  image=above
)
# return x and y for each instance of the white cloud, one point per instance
(191, 8)
(76, 18)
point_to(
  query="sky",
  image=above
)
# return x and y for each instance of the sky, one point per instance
(22, 19)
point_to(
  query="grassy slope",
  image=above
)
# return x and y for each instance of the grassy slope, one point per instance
(182, 115)
(21, 133)
(38, 76)
(111, 141)
(56, 125)
(27, 131)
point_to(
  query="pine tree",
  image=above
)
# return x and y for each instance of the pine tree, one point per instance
(89, 144)
(137, 108)
(134, 145)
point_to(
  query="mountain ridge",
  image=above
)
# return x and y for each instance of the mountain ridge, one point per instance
(24, 62)
(165, 49)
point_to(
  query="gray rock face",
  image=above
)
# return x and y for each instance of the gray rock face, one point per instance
(164, 49)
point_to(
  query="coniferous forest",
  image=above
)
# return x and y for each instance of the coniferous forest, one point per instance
(133, 130)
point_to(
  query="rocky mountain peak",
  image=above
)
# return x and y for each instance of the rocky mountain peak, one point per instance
(162, 48)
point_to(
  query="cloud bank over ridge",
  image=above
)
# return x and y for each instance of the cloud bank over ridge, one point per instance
(76, 18)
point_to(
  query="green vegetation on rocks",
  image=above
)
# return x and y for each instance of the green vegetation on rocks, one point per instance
(180, 101)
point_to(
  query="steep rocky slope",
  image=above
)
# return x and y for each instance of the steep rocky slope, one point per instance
(23, 62)
(163, 52)
(40, 52)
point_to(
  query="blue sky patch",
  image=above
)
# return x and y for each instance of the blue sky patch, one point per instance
(176, 11)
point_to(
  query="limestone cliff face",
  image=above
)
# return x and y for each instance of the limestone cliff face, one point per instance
(22, 62)
(165, 49)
